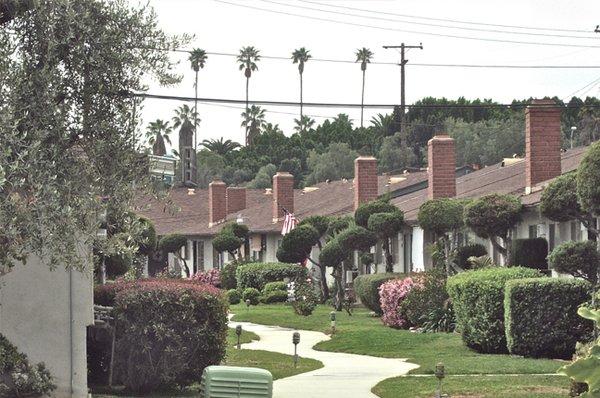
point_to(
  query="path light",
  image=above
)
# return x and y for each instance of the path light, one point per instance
(247, 304)
(440, 374)
(296, 340)
(332, 317)
(238, 331)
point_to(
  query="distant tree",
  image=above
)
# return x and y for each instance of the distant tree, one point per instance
(303, 124)
(157, 133)
(197, 60)
(336, 163)
(220, 146)
(184, 114)
(247, 60)
(264, 177)
(300, 56)
(394, 155)
(209, 165)
(364, 56)
(588, 180)
(253, 121)
(492, 217)
(173, 243)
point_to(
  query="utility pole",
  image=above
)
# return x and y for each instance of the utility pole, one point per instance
(403, 62)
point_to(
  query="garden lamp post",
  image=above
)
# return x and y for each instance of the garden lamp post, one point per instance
(296, 340)
(332, 318)
(439, 374)
(247, 304)
(573, 128)
(238, 332)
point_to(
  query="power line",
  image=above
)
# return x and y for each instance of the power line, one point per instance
(406, 30)
(268, 111)
(451, 20)
(583, 88)
(420, 23)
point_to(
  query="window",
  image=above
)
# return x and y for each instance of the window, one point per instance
(575, 231)
(408, 253)
(533, 231)
(394, 249)
(200, 255)
(217, 259)
(551, 236)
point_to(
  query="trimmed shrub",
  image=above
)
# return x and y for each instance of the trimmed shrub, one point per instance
(427, 295)
(365, 210)
(441, 216)
(275, 296)
(461, 258)
(251, 294)
(226, 241)
(234, 296)
(332, 254)
(392, 293)
(356, 238)
(297, 244)
(19, 378)
(580, 259)
(257, 275)
(305, 299)
(541, 318)
(275, 286)
(478, 301)
(169, 331)
(228, 280)
(530, 253)
(366, 288)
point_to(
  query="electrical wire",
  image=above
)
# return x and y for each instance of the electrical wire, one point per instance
(582, 88)
(406, 30)
(422, 23)
(449, 20)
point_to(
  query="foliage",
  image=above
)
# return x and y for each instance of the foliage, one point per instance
(356, 238)
(168, 333)
(588, 180)
(275, 286)
(530, 253)
(276, 296)
(427, 296)
(367, 286)
(559, 199)
(228, 272)
(580, 259)
(221, 146)
(304, 297)
(67, 126)
(320, 223)
(338, 224)
(395, 155)
(391, 294)
(441, 216)
(439, 320)
(366, 210)
(226, 241)
(484, 261)
(586, 369)
(211, 277)
(334, 164)
(252, 295)
(478, 300)
(386, 225)
(264, 177)
(19, 378)
(172, 243)
(234, 296)
(332, 254)
(541, 318)
(297, 244)
(257, 275)
(463, 253)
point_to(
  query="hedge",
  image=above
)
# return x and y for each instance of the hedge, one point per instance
(478, 300)
(274, 286)
(530, 253)
(234, 296)
(541, 316)
(168, 333)
(366, 288)
(251, 295)
(276, 296)
(257, 275)
(228, 272)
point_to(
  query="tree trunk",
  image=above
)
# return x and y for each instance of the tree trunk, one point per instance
(186, 269)
(498, 247)
(247, 110)
(362, 100)
(196, 114)
(323, 282)
(301, 102)
(389, 260)
(340, 289)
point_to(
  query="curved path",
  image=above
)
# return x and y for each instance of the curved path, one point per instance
(342, 375)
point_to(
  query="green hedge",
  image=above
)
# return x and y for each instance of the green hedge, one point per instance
(257, 275)
(251, 295)
(478, 300)
(530, 253)
(366, 288)
(541, 316)
(275, 296)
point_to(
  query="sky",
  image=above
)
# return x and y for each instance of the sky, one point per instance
(224, 26)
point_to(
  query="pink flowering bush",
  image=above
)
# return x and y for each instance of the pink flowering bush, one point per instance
(210, 277)
(391, 294)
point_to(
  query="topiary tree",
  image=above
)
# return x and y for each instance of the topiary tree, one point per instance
(332, 255)
(230, 238)
(173, 243)
(386, 226)
(492, 217)
(580, 259)
(356, 238)
(588, 180)
(365, 210)
(560, 203)
(338, 224)
(442, 216)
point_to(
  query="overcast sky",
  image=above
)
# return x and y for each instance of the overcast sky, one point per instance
(225, 28)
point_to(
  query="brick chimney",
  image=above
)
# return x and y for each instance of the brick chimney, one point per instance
(236, 199)
(441, 171)
(365, 180)
(542, 142)
(217, 202)
(283, 194)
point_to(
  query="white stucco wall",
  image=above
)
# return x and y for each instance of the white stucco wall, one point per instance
(418, 249)
(44, 314)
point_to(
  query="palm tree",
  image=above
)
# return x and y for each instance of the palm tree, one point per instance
(363, 55)
(157, 133)
(197, 60)
(184, 113)
(220, 146)
(247, 59)
(304, 124)
(253, 121)
(301, 56)
(382, 124)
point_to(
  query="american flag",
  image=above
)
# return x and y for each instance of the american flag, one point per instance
(289, 222)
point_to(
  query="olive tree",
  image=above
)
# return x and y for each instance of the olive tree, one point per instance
(492, 217)
(442, 216)
(173, 243)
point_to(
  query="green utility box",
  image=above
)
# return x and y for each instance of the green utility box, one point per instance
(236, 382)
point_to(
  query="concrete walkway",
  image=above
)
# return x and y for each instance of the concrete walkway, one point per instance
(342, 375)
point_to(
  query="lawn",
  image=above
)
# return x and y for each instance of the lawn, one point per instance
(363, 334)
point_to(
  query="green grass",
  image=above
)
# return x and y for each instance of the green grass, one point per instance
(363, 334)
(528, 386)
